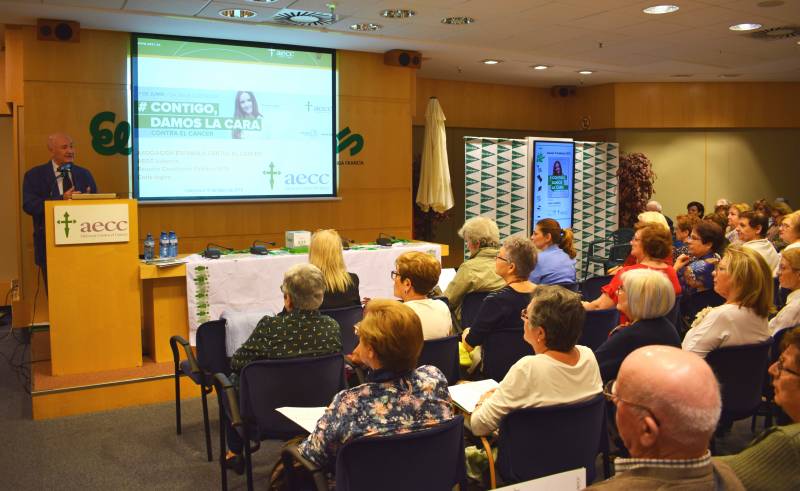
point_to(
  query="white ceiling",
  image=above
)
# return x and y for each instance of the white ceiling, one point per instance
(612, 37)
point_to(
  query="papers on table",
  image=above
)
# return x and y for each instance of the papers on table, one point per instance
(305, 417)
(563, 481)
(445, 277)
(466, 396)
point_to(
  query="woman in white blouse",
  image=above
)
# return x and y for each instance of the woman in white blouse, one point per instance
(790, 230)
(415, 276)
(744, 280)
(789, 277)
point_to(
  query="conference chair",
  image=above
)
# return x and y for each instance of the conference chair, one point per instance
(502, 348)
(470, 307)
(768, 408)
(597, 326)
(572, 286)
(443, 354)
(595, 254)
(617, 254)
(211, 358)
(427, 459)
(541, 441)
(590, 288)
(674, 315)
(347, 317)
(694, 303)
(779, 294)
(265, 385)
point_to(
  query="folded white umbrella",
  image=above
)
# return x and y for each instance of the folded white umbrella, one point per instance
(435, 191)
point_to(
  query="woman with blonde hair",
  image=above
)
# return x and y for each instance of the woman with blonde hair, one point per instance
(744, 280)
(341, 287)
(734, 211)
(556, 258)
(415, 275)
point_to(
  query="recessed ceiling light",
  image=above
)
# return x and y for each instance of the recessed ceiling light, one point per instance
(585, 72)
(458, 21)
(491, 62)
(540, 67)
(661, 9)
(398, 13)
(366, 26)
(746, 26)
(237, 13)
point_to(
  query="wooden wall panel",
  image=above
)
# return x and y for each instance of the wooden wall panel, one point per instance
(13, 66)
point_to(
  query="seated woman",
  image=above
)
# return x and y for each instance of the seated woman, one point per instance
(734, 211)
(645, 218)
(476, 274)
(559, 373)
(695, 208)
(416, 275)
(696, 268)
(556, 258)
(789, 277)
(397, 398)
(779, 210)
(650, 243)
(341, 287)
(790, 230)
(744, 280)
(685, 224)
(500, 309)
(645, 297)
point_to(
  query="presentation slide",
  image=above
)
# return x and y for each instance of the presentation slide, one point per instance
(553, 171)
(216, 120)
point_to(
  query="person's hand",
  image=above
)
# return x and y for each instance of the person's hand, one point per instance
(484, 396)
(614, 270)
(464, 340)
(69, 192)
(681, 261)
(88, 190)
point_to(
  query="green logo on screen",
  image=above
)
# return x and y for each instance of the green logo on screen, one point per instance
(272, 173)
(66, 221)
(107, 142)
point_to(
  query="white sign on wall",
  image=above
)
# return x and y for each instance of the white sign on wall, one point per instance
(90, 224)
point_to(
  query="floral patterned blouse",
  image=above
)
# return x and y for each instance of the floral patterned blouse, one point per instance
(697, 275)
(388, 404)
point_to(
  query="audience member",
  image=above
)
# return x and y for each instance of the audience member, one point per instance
(644, 218)
(559, 373)
(645, 297)
(654, 205)
(341, 287)
(667, 408)
(695, 208)
(656, 217)
(556, 258)
(721, 207)
(752, 230)
(682, 232)
(789, 278)
(416, 275)
(744, 280)
(790, 230)
(476, 274)
(771, 462)
(779, 210)
(762, 206)
(734, 211)
(695, 270)
(397, 397)
(721, 220)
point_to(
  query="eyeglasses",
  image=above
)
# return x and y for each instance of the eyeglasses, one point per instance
(608, 391)
(502, 258)
(395, 274)
(524, 315)
(781, 369)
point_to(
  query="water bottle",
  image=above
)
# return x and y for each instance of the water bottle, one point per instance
(149, 247)
(163, 245)
(173, 244)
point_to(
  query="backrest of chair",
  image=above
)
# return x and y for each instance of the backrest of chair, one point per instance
(618, 253)
(675, 313)
(573, 287)
(347, 317)
(590, 288)
(694, 303)
(596, 327)
(210, 341)
(623, 235)
(541, 441)
(296, 382)
(442, 298)
(428, 459)
(470, 306)
(740, 372)
(502, 348)
(443, 354)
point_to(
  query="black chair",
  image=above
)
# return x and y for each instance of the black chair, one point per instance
(501, 349)
(573, 287)
(617, 255)
(768, 408)
(597, 326)
(211, 358)
(470, 307)
(595, 249)
(265, 385)
(590, 288)
(443, 354)
(694, 303)
(347, 317)
(540, 441)
(674, 315)
(428, 459)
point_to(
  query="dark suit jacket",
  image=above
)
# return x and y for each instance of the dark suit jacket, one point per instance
(39, 185)
(622, 342)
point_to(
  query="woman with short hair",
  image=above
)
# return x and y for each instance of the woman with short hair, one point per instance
(683, 229)
(695, 208)
(696, 268)
(555, 262)
(744, 280)
(341, 287)
(789, 278)
(779, 211)
(645, 297)
(415, 276)
(790, 230)
(734, 211)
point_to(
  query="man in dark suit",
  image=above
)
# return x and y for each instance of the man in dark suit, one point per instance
(54, 180)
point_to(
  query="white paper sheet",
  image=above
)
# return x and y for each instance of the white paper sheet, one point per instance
(563, 481)
(446, 277)
(466, 396)
(305, 417)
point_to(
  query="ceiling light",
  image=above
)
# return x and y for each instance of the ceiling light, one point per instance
(491, 62)
(398, 13)
(747, 26)
(540, 67)
(661, 9)
(585, 72)
(237, 13)
(366, 26)
(458, 21)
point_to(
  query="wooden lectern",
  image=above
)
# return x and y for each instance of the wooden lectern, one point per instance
(93, 285)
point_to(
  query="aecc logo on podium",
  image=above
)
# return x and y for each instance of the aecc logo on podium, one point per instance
(90, 224)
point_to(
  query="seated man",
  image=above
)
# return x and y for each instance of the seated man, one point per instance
(667, 408)
(752, 230)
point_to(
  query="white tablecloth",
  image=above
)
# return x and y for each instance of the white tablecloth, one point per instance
(248, 283)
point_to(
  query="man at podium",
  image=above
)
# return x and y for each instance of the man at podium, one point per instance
(57, 179)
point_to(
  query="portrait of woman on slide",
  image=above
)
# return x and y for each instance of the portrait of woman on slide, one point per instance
(557, 169)
(246, 108)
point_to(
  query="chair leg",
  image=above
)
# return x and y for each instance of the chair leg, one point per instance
(177, 401)
(204, 392)
(223, 446)
(492, 476)
(248, 462)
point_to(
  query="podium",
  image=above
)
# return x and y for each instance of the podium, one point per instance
(94, 296)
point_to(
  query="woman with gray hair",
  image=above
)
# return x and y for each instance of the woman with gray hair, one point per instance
(645, 297)
(475, 274)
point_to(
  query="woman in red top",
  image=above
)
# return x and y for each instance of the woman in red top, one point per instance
(650, 242)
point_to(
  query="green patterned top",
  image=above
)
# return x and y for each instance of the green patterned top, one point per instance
(295, 334)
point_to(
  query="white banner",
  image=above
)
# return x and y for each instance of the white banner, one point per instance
(90, 224)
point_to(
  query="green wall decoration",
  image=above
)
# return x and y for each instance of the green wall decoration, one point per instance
(107, 142)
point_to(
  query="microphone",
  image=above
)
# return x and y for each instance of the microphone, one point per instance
(385, 240)
(260, 250)
(346, 243)
(213, 252)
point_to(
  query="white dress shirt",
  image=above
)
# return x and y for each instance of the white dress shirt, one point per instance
(767, 251)
(789, 316)
(726, 325)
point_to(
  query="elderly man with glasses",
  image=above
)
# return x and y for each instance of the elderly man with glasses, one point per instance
(667, 407)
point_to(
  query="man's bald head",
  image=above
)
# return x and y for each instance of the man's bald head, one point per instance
(61, 148)
(680, 390)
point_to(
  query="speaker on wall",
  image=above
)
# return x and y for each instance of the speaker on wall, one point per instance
(563, 90)
(403, 57)
(58, 30)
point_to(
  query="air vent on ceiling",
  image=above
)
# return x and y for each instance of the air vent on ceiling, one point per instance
(304, 17)
(783, 32)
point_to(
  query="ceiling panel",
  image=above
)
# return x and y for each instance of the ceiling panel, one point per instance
(263, 13)
(173, 7)
(103, 4)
